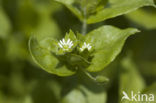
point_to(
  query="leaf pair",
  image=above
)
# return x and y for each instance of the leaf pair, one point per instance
(100, 10)
(107, 40)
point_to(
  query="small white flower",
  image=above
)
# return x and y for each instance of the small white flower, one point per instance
(65, 45)
(85, 46)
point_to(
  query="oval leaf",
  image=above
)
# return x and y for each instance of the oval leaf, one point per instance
(46, 60)
(108, 42)
(118, 7)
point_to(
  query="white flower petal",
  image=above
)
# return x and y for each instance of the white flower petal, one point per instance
(61, 42)
(85, 44)
(60, 45)
(68, 41)
(65, 45)
(64, 41)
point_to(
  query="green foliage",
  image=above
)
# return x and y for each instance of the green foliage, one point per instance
(107, 45)
(118, 7)
(130, 79)
(69, 5)
(83, 59)
(89, 96)
(109, 9)
(102, 79)
(46, 60)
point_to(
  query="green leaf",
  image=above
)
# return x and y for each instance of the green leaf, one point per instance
(70, 5)
(49, 44)
(81, 94)
(118, 7)
(5, 26)
(101, 10)
(102, 79)
(91, 6)
(101, 4)
(72, 37)
(46, 60)
(108, 42)
(83, 6)
(130, 79)
(146, 18)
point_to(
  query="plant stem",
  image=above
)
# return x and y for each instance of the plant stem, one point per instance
(84, 25)
(89, 75)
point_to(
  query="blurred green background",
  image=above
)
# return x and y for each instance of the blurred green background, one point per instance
(21, 81)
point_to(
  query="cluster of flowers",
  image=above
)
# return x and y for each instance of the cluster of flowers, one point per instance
(65, 45)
